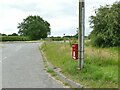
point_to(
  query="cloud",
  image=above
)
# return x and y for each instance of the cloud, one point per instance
(62, 14)
(64, 25)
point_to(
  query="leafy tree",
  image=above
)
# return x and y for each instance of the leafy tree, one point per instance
(9, 34)
(14, 34)
(34, 27)
(3, 34)
(106, 26)
(76, 35)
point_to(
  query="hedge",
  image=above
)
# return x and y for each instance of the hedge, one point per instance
(14, 38)
(56, 38)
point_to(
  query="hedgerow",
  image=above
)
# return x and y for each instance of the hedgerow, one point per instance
(14, 38)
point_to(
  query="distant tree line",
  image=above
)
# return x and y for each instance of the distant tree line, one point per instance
(14, 34)
(66, 37)
(106, 26)
(14, 38)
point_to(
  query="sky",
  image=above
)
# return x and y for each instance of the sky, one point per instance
(61, 14)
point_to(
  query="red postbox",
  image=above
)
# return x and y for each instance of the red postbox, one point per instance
(75, 51)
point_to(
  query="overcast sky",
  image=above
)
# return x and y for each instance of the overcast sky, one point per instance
(61, 14)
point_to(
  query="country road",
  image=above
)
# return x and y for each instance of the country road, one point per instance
(22, 67)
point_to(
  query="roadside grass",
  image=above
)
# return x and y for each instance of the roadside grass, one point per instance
(100, 67)
(49, 70)
(52, 72)
(54, 75)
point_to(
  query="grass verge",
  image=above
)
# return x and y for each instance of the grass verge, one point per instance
(52, 73)
(100, 67)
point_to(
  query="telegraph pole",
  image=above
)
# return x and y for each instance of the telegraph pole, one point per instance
(81, 34)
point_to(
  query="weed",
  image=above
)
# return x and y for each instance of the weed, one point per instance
(49, 70)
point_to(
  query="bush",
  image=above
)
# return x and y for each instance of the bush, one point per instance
(14, 38)
(106, 23)
(98, 41)
(56, 38)
(103, 41)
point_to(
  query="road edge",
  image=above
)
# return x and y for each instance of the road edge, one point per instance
(61, 76)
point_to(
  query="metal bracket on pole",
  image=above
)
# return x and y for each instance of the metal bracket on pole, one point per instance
(81, 34)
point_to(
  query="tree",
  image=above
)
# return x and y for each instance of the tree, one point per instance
(34, 27)
(106, 26)
(3, 34)
(14, 34)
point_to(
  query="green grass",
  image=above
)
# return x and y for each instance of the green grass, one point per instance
(100, 67)
(49, 70)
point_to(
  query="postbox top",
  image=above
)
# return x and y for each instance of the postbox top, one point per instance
(74, 45)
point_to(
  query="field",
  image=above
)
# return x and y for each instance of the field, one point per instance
(100, 67)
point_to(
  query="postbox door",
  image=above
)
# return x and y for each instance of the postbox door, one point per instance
(75, 51)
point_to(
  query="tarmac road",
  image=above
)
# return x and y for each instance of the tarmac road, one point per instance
(22, 67)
